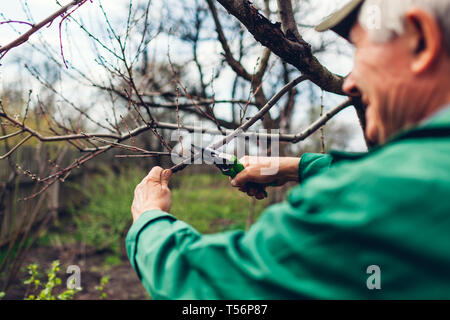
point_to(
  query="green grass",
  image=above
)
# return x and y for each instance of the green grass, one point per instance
(210, 204)
(205, 201)
(103, 221)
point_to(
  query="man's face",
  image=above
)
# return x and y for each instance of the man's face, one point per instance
(382, 77)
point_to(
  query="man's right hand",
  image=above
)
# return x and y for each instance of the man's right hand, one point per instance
(265, 171)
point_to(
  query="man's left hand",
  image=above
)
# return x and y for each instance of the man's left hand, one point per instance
(152, 193)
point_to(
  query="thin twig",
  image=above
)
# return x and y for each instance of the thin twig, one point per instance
(150, 155)
(322, 133)
(36, 27)
(10, 152)
(246, 125)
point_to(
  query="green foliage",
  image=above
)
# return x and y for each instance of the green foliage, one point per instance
(101, 287)
(210, 204)
(206, 201)
(47, 289)
(33, 280)
(68, 294)
(112, 260)
(2, 295)
(52, 282)
(102, 223)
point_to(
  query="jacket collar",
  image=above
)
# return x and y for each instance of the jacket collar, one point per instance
(436, 126)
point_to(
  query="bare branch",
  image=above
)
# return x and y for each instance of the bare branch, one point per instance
(294, 51)
(147, 155)
(11, 135)
(35, 28)
(233, 63)
(10, 152)
(321, 121)
(244, 127)
(138, 92)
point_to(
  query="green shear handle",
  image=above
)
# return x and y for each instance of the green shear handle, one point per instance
(230, 166)
(236, 167)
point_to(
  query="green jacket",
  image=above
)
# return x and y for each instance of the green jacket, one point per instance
(388, 208)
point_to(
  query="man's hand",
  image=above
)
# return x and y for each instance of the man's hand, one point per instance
(152, 193)
(257, 171)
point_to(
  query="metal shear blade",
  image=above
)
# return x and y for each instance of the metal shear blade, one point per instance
(220, 160)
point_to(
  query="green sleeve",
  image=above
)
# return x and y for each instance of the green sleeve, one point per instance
(287, 254)
(291, 252)
(313, 163)
(174, 261)
(319, 244)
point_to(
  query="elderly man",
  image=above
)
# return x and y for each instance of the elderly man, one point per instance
(359, 226)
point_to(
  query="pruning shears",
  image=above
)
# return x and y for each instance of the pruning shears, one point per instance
(229, 165)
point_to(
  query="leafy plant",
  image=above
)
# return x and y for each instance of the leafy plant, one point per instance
(210, 204)
(103, 222)
(101, 287)
(33, 281)
(69, 293)
(47, 289)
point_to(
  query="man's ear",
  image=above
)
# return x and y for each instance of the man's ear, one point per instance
(425, 39)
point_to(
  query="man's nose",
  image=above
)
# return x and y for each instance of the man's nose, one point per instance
(350, 87)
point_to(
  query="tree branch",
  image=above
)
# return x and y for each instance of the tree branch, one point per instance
(244, 127)
(294, 51)
(35, 28)
(288, 23)
(233, 63)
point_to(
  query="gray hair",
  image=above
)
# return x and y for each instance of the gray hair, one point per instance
(384, 19)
